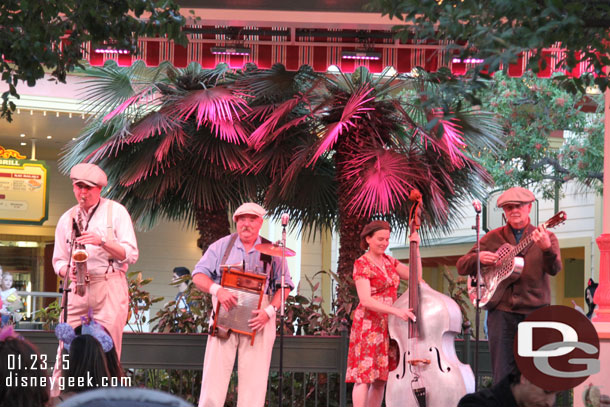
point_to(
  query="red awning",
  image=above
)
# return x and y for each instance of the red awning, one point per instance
(320, 55)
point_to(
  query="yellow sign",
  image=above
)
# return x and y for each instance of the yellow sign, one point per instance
(4, 153)
(23, 189)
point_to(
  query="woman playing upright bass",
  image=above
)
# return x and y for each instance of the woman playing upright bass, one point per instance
(377, 277)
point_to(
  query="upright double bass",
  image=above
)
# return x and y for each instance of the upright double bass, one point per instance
(428, 372)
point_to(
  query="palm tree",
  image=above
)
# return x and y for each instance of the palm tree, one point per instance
(384, 136)
(172, 142)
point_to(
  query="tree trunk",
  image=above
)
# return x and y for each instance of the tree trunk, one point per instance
(212, 225)
(349, 245)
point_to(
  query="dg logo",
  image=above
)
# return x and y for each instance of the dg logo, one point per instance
(557, 348)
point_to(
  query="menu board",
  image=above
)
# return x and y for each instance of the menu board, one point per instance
(24, 197)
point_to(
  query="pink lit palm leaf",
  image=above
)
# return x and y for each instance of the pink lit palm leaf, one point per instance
(155, 124)
(148, 97)
(380, 181)
(115, 89)
(218, 107)
(354, 108)
(452, 140)
(283, 113)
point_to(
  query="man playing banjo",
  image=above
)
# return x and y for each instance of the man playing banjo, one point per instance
(531, 290)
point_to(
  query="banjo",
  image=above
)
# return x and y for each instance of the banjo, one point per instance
(496, 278)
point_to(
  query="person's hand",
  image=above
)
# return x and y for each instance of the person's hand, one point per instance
(89, 238)
(258, 320)
(226, 299)
(578, 307)
(405, 314)
(541, 237)
(488, 258)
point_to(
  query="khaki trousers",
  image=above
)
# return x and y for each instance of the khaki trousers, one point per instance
(107, 295)
(252, 367)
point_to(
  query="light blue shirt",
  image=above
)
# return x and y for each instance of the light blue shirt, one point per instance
(209, 264)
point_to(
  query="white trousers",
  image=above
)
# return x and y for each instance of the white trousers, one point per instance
(252, 367)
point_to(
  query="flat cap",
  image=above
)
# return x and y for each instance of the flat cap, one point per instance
(515, 195)
(89, 174)
(249, 208)
(181, 271)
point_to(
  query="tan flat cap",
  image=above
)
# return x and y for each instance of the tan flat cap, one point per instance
(89, 174)
(249, 208)
(515, 195)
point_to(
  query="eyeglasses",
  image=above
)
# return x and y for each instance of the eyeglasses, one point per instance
(510, 207)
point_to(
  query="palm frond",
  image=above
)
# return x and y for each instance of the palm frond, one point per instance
(217, 106)
(355, 106)
(379, 180)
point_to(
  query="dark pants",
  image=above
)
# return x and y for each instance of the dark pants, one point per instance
(502, 328)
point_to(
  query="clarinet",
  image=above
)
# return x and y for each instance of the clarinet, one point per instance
(79, 257)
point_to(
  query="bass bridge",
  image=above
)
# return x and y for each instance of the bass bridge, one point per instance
(417, 362)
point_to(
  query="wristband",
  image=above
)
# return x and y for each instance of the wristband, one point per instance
(270, 311)
(214, 289)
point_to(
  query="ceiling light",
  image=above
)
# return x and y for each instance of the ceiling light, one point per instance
(231, 51)
(22, 135)
(367, 55)
(467, 60)
(24, 143)
(110, 50)
(49, 137)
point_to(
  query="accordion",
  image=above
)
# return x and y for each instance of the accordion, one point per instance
(248, 289)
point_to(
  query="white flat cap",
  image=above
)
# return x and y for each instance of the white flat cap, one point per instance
(249, 208)
(89, 174)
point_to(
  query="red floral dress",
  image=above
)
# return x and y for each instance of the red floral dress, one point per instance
(367, 359)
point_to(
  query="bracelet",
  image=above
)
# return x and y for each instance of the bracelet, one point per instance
(270, 311)
(214, 289)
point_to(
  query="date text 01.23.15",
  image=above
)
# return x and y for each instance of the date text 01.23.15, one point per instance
(34, 362)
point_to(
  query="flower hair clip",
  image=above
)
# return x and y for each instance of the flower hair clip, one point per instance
(65, 333)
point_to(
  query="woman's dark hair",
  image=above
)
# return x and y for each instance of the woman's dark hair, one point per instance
(370, 229)
(112, 359)
(87, 359)
(25, 358)
(591, 288)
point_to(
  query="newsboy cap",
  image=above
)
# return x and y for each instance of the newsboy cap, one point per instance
(89, 174)
(181, 271)
(515, 195)
(249, 208)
